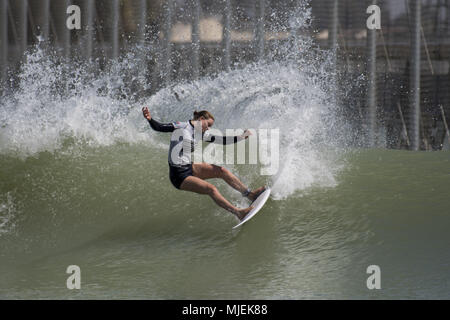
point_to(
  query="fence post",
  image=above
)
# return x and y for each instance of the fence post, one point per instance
(115, 16)
(195, 38)
(166, 43)
(87, 16)
(62, 32)
(371, 52)
(142, 21)
(332, 33)
(447, 133)
(332, 43)
(259, 35)
(3, 41)
(42, 18)
(22, 24)
(414, 82)
(141, 37)
(227, 36)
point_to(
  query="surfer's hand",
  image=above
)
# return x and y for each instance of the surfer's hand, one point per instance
(246, 134)
(146, 113)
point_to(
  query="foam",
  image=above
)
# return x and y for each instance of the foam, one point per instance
(7, 213)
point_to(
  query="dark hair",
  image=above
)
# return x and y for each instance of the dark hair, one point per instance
(205, 114)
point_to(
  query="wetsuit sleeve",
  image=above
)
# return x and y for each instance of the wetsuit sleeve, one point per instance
(223, 140)
(161, 127)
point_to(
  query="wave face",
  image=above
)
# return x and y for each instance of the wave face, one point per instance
(112, 212)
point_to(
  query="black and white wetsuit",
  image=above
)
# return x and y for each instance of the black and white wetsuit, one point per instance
(183, 138)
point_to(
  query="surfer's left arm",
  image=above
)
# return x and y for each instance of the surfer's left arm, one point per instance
(228, 140)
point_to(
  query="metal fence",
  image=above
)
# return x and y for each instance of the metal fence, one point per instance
(405, 63)
(405, 96)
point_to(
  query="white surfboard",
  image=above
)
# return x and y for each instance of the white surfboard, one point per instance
(257, 205)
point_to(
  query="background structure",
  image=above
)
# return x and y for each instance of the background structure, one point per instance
(403, 68)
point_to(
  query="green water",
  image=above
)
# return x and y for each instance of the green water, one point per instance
(113, 212)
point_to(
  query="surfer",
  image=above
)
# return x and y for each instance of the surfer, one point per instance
(189, 176)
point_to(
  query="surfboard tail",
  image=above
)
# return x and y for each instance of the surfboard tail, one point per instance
(257, 204)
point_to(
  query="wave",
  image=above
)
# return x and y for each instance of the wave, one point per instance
(59, 102)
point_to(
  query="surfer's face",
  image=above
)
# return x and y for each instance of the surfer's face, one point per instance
(206, 123)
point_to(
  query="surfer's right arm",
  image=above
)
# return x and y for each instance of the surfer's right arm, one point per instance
(157, 126)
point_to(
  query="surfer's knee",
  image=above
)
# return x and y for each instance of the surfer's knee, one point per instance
(221, 171)
(212, 190)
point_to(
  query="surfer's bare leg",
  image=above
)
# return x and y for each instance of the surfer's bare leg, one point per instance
(210, 171)
(197, 185)
(255, 193)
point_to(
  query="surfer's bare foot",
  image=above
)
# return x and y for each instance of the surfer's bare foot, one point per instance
(255, 193)
(243, 212)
